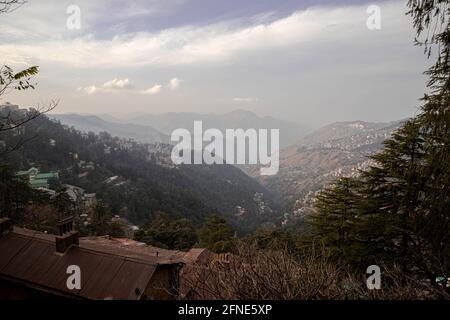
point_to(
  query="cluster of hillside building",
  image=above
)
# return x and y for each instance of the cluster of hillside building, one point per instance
(42, 181)
(8, 106)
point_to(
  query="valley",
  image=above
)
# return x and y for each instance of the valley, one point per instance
(339, 149)
(307, 165)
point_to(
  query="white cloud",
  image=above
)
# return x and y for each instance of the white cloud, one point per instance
(109, 86)
(200, 44)
(174, 84)
(246, 100)
(115, 85)
(118, 84)
(153, 90)
(89, 90)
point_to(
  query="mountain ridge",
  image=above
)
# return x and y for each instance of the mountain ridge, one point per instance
(338, 149)
(96, 124)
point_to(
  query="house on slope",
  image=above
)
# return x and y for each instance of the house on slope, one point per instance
(36, 179)
(35, 265)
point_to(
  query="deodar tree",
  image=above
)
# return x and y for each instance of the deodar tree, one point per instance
(398, 211)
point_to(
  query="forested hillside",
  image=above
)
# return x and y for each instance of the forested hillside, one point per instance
(145, 181)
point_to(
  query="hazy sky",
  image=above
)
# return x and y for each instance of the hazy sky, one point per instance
(312, 62)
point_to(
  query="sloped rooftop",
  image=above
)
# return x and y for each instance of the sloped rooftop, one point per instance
(108, 271)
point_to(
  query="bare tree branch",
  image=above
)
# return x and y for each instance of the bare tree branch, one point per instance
(10, 5)
(255, 274)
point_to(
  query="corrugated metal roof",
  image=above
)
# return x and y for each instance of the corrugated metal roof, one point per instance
(133, 248)
(47, 175)
(36, 183)
(105, 274)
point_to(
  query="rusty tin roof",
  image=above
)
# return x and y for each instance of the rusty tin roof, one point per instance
(106, 272)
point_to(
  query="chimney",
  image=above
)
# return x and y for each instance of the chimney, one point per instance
(67, 236)
(5, 225)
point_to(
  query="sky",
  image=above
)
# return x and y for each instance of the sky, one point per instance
(311, 62)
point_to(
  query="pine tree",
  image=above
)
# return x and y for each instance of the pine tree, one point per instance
(217, 235)
(100, 220)
(337, 212)
(390, 198)
(165, 232)
(401, 205)
(63, 204)
(432, 223)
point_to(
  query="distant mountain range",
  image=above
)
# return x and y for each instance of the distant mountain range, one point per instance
(158, 128)
(98, 124)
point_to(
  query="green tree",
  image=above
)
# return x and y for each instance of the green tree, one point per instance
(100, 220)
(334, 223)
(117, 229)
(399, 209)
(63, 204)
(164, 232)
(273, 239)
(217, 235)
(432, 222)
(14, 194)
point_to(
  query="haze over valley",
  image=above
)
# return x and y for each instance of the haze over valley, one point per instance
(309, 161)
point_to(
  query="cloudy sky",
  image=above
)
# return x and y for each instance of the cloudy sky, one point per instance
(313, 62)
